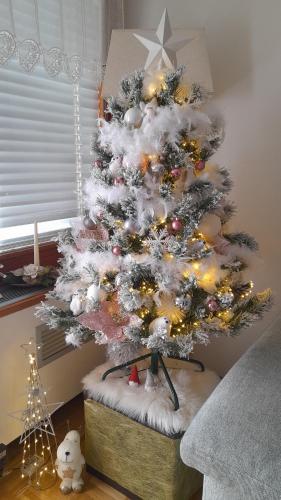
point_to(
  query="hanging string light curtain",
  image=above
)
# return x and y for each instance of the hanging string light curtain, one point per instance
(51, 56)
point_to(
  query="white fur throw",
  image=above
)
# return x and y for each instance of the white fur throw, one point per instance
(154, 408)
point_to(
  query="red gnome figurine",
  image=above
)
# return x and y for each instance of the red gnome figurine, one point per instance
(134, 377)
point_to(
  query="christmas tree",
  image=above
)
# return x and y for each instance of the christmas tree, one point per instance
(154, 264)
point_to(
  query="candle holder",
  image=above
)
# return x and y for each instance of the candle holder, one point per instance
(30, 275)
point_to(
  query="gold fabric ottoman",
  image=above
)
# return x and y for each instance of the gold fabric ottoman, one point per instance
(139, 459)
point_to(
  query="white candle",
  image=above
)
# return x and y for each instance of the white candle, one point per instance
(36, 246)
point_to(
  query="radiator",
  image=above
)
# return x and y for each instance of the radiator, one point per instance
(51, 344)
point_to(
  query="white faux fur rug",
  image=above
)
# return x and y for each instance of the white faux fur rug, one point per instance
(154, 408)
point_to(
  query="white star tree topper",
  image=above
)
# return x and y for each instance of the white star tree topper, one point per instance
(162, 53)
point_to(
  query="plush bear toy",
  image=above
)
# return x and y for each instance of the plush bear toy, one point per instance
(69, 463)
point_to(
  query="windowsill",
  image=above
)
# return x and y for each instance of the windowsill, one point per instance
(22, 303)
(14, 259)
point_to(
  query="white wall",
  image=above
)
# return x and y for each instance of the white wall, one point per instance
(243, 40)
(61, 378)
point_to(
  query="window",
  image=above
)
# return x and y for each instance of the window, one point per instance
(38, 158)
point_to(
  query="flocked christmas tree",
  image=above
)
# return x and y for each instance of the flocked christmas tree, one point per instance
(154, 264)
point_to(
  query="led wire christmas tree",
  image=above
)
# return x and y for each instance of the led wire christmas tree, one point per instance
(38, 436)
(155, 264)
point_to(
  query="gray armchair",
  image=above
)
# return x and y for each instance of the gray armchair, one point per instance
(235, 438)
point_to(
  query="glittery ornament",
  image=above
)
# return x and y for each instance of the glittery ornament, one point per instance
(181, 93)
(183, 302)
(116, 250)
(176, 224)
(87, 221)
(200, 165)
(191, 146)
(212, 305)
(133, 117)
(225, 299)
(176, 172)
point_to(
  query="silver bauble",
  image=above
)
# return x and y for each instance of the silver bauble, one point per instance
(183, 302)
(133, 117)
(130, 226)
(226, 299)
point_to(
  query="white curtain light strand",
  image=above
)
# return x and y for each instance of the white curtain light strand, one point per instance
(30, 52)
(78, 147)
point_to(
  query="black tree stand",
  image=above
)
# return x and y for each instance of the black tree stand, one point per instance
(156, 359)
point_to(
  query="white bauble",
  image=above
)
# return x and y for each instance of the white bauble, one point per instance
(76, 304)
(210, 226)
(115, 165)
(161, 326)
(95, 293)
(133, 117)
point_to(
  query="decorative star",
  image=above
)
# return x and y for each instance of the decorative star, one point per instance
(68, 473)
(43, 424)
(162, 53)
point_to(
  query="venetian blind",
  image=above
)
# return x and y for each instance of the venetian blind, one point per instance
(38, 150)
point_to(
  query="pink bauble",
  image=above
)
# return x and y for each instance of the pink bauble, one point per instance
(98, 163)
(176, 172)
(118, 181)
(116, 250)
(176, 224)
(200, 165)
(212, 305)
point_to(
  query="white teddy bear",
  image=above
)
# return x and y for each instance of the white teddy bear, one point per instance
(69, 463)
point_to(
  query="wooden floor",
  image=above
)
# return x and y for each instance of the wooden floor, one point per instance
(13, 487)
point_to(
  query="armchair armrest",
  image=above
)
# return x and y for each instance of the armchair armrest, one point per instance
(236, 435)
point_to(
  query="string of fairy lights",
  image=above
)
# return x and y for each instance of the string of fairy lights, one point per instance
(38, 436)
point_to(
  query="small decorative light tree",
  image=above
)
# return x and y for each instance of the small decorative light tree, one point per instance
(38, 436)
